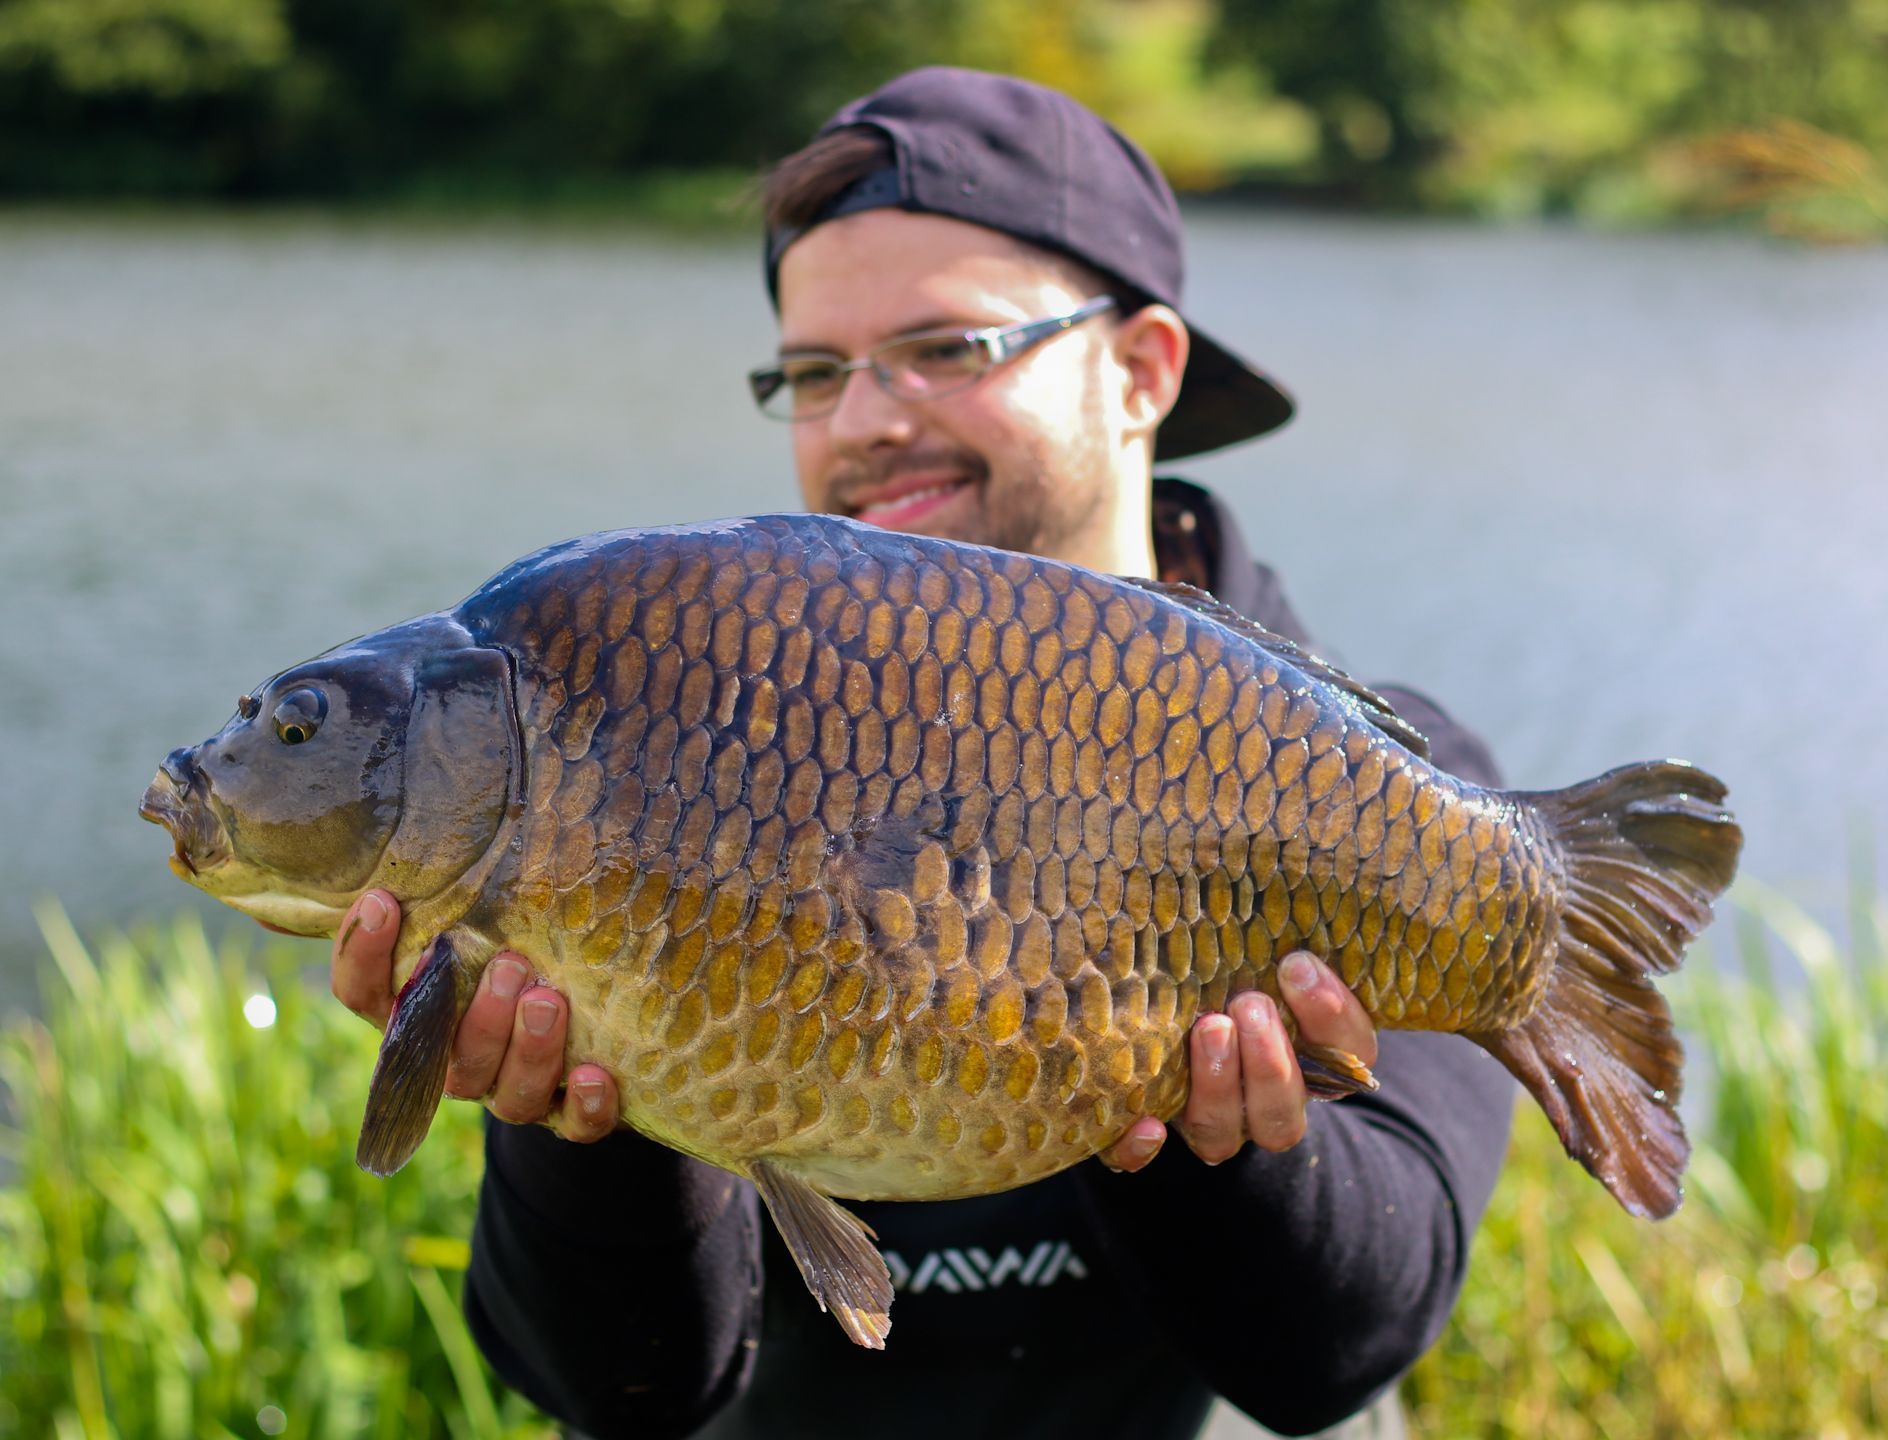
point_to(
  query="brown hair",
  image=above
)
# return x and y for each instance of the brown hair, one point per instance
(797, 191)
(807, 181)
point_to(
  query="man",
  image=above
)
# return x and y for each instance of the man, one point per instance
(977, 284)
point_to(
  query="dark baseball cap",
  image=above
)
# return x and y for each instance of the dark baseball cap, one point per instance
(1030, 162)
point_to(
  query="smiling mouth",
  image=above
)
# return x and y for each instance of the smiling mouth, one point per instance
(904, 503)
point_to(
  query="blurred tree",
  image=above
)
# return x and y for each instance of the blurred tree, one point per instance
(163, 49)
(314, 96)
(147, 83)
(1529, 105)
(1504, 106)
(1364, 69)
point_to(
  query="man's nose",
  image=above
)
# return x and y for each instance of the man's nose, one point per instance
(867, 416)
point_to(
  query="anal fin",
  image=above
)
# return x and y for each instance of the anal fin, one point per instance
(834, 1250)
(410, 1075)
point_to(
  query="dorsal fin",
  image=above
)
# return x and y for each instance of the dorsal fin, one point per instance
(1376, 709)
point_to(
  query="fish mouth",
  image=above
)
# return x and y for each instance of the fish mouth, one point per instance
(197, 839)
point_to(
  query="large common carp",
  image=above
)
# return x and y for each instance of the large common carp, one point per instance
(891, 868)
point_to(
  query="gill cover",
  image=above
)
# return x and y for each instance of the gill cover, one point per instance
(463, 763)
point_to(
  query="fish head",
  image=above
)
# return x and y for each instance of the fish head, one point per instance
(389, 761)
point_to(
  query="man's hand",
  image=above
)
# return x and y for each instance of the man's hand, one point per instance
(509, 1051)
(1246, 1082)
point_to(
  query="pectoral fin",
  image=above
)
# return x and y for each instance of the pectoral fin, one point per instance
(410, 1075)
(835, 1253)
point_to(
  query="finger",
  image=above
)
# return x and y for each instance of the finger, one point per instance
(1214, 1124)
(1136, 1148)
(1274, 1090)
(534, 1058)
(485, 1032)
(360, 968)
(590, 1105)
(1324, 1007)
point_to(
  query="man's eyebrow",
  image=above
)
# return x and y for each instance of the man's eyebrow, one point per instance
(923, 325)
(926, 324)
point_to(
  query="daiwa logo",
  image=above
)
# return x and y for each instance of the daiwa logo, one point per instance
(971, 1268)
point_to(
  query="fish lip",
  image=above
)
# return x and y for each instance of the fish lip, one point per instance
(196, 838)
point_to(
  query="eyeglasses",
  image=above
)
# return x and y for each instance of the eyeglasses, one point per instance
(917, 367)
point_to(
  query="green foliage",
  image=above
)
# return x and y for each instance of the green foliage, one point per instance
(1761, 1309)
(366, 97)
(166, 49)
(1494, 106)
(186, 1247)
(1528, 106)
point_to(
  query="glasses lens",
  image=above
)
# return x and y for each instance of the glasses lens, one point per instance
(927, 366)
(797, 389)
(767, 387)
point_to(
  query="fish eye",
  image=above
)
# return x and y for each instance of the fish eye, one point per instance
(299, 714)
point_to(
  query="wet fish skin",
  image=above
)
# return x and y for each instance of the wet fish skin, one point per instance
(925, 857)
(883, 867)
(790, 944)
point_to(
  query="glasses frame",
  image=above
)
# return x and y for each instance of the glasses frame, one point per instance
(999, 343)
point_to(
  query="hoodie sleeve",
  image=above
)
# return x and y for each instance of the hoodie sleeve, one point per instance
(616, 1285)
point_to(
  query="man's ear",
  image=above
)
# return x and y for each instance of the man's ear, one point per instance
(1152, 345)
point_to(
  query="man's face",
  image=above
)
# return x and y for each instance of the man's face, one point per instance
(1027, 458)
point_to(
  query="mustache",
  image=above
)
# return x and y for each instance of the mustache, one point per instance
(856, 482)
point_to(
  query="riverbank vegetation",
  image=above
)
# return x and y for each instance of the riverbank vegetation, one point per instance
(186, 1247)
(1761, 1308)
(1618, 110)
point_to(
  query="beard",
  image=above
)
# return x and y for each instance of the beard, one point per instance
(1054, 494)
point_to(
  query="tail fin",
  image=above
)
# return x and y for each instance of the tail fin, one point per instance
(1647, 848)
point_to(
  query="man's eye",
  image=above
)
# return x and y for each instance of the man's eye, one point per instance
(946, 353)
(810, 379)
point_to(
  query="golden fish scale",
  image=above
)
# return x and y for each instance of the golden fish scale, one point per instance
(914, 863)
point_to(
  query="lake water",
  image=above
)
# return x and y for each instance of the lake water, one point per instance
(1608, 497)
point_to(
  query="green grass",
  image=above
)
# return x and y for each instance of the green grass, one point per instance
(187, 1249)
(1758, 1310)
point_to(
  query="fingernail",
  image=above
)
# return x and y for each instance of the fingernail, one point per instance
(507, 978)
(589, 1096)
(1146, 1147)
(1299, 972)
(372, 914)
(539, 1016)
(1216, 1038)
(1261, 1010)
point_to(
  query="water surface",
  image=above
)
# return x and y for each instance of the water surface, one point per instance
(1607, 497)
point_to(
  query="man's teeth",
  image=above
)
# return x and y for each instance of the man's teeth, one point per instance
(880, 507)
